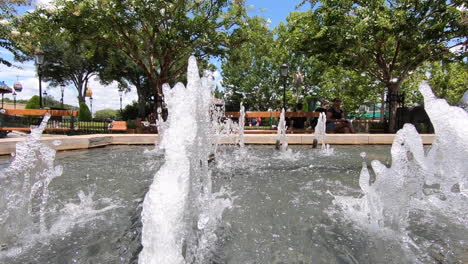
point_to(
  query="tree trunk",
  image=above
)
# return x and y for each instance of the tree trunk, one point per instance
(392, 105)
(156, 86)
(382, 106)
(141, 102)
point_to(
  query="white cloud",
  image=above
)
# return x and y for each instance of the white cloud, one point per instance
(218, 79)
(103, 96)
(44, 3)
(458, 49)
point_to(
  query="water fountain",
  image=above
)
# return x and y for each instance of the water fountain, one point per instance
(180, 212)
(283, 210)
(24, 187)
(241, 125)
(433, 182)
(320, 135)
(281, 137)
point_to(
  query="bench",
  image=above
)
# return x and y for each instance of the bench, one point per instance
(17, 120)
(118, 126)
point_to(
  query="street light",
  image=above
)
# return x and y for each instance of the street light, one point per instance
(14, 99)
(62, 88)
(120, 94)
(39, 57)
(91, 104)
(284, 73)
(44, 95)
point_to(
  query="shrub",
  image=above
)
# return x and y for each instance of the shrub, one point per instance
(85, 114)
(130, 111)
(105, 114)
(33, 103)
(131, 124)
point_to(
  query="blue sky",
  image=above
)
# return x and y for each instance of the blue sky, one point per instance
(107, 96)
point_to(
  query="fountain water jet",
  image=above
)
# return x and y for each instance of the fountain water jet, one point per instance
(399, 191)
(281, 137)
(241, 125)
(180, 211)
(24, 187)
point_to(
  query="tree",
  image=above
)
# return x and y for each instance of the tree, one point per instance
(7, 32)
(157, 36)
(117, 67)
(105, 114)
(448, 80)
(33, 103)
(250, 73)
(69, 57)
(387, 40)
(84, 114)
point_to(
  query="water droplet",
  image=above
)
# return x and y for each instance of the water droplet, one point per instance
(57, 142)
(363, 155)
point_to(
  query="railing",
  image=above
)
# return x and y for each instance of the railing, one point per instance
(56, 125)
(267, 114)
(39, 112)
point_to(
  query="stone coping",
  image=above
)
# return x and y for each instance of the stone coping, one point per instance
(8, 145)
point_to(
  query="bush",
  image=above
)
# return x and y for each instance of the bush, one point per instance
(106, 114)
(85, 114)
(33, 103)
(130, 111)
(131, 124)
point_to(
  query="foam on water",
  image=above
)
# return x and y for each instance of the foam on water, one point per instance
(180, 211)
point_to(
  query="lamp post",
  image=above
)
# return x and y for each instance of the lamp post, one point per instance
(62, 88)
(284, 73)
(14, 99)
(91, 104)
(44, 95)
(39, 57)
(120, 94)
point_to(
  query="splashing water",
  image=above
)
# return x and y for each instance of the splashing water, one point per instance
(320, 134)
(24, 197)
(24, 187)
(320, 130)
(241, 125)
(281, 137)
(432, 182)
(180, 211)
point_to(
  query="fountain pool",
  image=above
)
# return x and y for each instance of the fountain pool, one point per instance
(224, 204)
(282, 210)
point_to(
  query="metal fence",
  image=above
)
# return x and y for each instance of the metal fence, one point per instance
(57, 124)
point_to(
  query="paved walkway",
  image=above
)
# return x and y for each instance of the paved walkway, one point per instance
(8, 145)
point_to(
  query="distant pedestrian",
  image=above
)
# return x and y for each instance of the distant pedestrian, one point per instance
(336, 119)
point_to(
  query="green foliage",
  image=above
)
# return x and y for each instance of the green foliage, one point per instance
(106, 114)
(131, 124)
(384, 40)
(18, 101)
(130, 111)
(69, 56)
(448, 80)
(85, 114)
(7, 31)
(250, 74)
(157, 38)
(33, 103)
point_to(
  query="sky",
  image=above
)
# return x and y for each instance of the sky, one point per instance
(105, 97)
